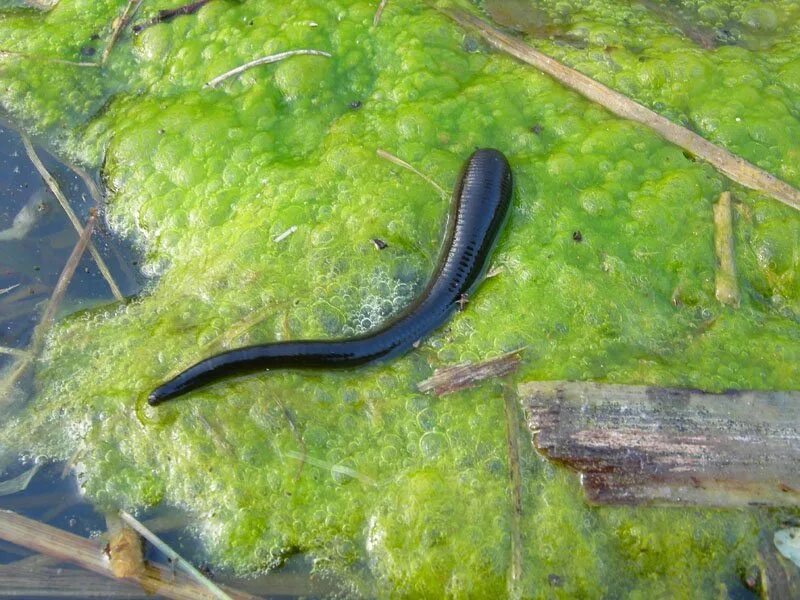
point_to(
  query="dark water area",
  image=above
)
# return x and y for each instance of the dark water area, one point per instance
(36, 238)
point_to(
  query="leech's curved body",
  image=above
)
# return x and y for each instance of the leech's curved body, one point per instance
(479, 208)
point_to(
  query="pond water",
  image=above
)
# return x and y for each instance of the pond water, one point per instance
(252, 206)
(35, 239)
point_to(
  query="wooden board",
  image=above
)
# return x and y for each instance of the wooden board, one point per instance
(649, 445)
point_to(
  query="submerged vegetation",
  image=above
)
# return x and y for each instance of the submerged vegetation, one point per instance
(608, 273)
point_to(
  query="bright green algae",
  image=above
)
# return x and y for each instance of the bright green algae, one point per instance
(402, 491)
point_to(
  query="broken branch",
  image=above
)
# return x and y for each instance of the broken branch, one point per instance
(451, 379)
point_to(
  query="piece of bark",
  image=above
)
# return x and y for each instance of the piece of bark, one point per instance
(459, 377)
(649, 445)
(124, 549)
(727, 289)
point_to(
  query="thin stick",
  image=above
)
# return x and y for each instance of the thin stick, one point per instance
(9, 289)
(174, 556)
(62, 199)
(14, 352)
(264, 60)
(90, 184)
(322, 464)
(58, 61)
(727, 290)
(167, 15)
(66, 276)
(733, 166)
(87, 554)
(119, 24)
(378, 12)
(515, 477)
(401, 163)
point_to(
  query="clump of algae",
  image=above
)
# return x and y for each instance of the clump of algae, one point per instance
(401, 491)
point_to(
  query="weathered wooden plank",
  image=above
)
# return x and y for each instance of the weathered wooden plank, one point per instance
(640, 444)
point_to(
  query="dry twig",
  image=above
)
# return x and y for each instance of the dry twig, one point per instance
(265, 60)
(401, 163)
(726, 286)
(62, 199)
(515, 477)
(378, 12)
(14, 352)
(119, 24)
(63, 282)
(163, 16)
(10, 288)
(733, 166)
(451, 379)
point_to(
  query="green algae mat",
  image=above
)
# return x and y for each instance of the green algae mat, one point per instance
(607, 271)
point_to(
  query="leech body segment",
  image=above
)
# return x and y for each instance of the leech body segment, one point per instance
(478, 211)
